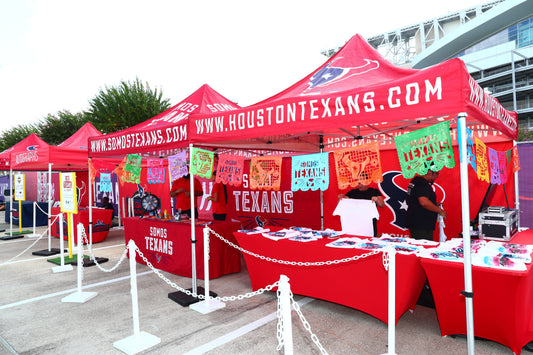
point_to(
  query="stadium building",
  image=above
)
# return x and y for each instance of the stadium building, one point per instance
(494, 39)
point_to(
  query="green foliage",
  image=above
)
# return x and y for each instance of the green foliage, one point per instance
(125, 105)
(14, 135)
(524, 135)
(54, 129)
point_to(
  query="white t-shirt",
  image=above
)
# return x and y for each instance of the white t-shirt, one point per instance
(356, 216)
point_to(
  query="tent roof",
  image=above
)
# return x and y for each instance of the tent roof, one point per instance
(163, 133)
(355, 96)
(79, 139)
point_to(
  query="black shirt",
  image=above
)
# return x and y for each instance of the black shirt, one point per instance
(417, 217)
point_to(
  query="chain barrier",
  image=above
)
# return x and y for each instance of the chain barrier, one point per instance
(45, 212)
(306, 324)
(295, 263)
(93, 258)
(194, 294)
(28, 248)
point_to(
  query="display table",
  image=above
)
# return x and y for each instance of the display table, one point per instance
(167, 245)
(101, 222)
(502, 303)
(41, 218)
(360, 284)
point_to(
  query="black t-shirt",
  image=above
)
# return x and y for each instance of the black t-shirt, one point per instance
(363, 195)
(417, 217)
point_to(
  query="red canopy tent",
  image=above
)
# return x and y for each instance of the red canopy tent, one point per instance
(357, 97)
(163, 134)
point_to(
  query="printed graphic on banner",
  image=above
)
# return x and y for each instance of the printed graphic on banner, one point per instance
(483, 173)
(265, 173)
(514, 159)
(494, 167)
(68, 196)
(502, 164)
(42, 187)
(177, 165)
(119, 171)
(132, 169)
(356, 165)
(105, 182)
(470, 149)
(20, 189)
(202, 162)
(426, 148)
(230, 169)
(156, 171)
(310, 172)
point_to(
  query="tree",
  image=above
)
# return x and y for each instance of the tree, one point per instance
(54, 129)
(16, 134)
(123, 106)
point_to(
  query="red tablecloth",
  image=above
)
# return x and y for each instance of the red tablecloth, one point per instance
(503, 300)
(101, 222)
(361, 284)
(167, 245)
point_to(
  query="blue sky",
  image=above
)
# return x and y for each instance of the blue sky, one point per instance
(56, 55)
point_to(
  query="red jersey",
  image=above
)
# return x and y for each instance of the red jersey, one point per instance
(218, 207)
(184, 202)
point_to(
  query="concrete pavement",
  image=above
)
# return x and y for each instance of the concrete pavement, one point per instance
(34, 320)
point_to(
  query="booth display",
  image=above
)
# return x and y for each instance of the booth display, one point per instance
(102, 221)
(167, 245)
(360, 284)
(41, 218)
(503, 299)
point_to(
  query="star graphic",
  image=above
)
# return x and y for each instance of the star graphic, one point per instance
(403, 205)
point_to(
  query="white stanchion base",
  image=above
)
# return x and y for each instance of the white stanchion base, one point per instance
(134, 345)
(63, 268)
(32, 235)
(204, 308)
(79, 297)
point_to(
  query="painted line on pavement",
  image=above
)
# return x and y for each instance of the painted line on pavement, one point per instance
(240, 332)
(55, 294)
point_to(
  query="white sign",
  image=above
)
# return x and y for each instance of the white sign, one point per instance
(20, 192)
(68, 195)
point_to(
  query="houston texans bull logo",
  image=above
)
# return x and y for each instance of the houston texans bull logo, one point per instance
(395, 196)
(331, 74)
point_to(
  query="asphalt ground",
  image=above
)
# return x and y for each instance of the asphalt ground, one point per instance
(35, 320)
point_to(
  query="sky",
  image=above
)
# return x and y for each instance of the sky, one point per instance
(57, 55)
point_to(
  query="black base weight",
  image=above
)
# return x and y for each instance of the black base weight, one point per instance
(46, 252)
(90, 262)
(8, 237)
(185, 300)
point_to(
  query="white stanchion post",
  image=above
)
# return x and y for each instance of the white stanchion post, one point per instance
(34, 217)
(10, 201)
(139, 341)
(208, 305)
(79, 296)
(285, 305)
(391, 252)
(62, 267)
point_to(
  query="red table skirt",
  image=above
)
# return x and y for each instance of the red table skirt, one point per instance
(101, 223)
(502, 302)
(360, 284)
(167, 246)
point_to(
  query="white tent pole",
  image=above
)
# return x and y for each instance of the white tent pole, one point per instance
(193, 223)
(11, 202)
(465, 207)
(90, 206)
(516, 192)
(50, 206)
(117, 200)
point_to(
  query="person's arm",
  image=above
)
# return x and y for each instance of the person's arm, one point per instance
(213, 197)
(379, 201)
(177, 192)
(430, 206)
(198, 191)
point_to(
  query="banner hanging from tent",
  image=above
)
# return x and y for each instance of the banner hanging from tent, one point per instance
(202, 162)
(361, 164)
(265, 173)
(230, 169)
(310, 172)
(426, 148)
